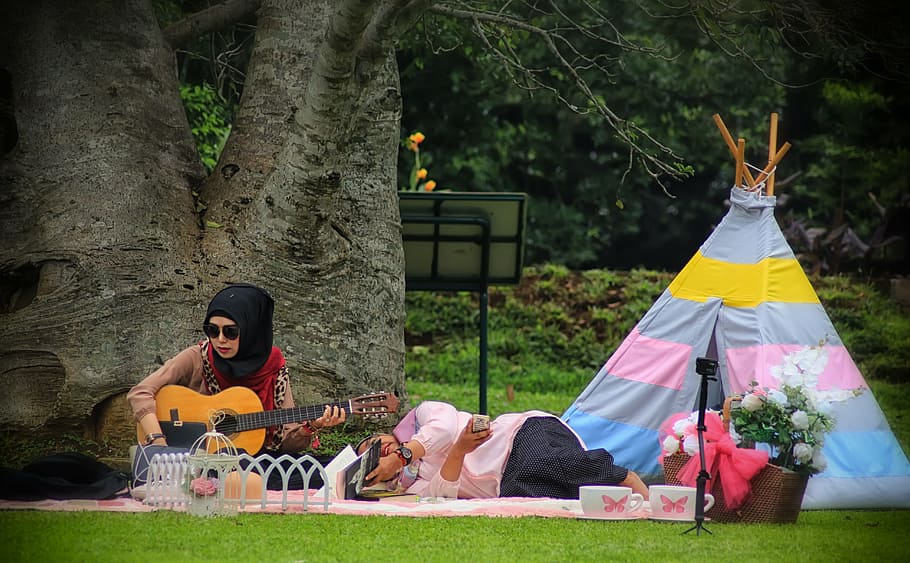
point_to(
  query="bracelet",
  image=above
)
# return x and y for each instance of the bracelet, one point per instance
(149, 438)
(313, 433)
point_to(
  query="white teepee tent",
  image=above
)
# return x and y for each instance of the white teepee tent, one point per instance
(745, 300)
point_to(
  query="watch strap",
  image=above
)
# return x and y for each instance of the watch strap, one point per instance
(405, 459)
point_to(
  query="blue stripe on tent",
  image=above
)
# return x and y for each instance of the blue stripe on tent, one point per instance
(864, 454)
(632, 447)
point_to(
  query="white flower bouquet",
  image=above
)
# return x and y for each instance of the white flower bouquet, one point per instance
(793, 418)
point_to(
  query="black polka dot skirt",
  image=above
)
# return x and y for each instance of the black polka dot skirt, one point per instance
(547, 460)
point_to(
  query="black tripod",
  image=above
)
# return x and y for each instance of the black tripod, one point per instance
(707, 369)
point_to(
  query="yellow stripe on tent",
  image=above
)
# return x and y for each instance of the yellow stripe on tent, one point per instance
(777, 280)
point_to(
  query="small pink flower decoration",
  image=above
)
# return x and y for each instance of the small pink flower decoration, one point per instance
(203, 486)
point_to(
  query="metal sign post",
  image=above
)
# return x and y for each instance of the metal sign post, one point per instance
(463, 241)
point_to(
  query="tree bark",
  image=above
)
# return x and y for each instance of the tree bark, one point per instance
(309, 206)
(105, 269)
(97, 272)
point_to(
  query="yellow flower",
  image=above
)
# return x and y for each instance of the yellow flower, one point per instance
(422, 173)
(414, 139)
(429, 185)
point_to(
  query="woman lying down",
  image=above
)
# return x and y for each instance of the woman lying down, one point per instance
(435, 452)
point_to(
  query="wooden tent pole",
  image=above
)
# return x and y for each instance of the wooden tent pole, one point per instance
(740, 162)
(772, 151)
(777, 157)
(732, 146)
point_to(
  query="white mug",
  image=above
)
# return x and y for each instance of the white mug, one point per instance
(671, 502)
(609, 502)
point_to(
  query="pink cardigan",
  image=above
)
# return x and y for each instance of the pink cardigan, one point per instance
(438, 427)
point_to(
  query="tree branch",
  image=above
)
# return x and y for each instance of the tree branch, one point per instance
(657, 159)
(336, 57)
(332, 80)
(388, 25)
(217, 17)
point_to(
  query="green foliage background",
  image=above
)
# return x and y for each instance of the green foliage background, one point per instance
(486, 131)
(558, 327)
(210, 118)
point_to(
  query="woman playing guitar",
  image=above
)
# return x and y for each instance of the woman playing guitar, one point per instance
(238, 352)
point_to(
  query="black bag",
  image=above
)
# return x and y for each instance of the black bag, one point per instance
(62, 476)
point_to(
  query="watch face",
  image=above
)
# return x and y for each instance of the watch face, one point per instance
(405, 453)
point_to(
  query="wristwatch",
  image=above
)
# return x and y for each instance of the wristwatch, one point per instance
(405, 455)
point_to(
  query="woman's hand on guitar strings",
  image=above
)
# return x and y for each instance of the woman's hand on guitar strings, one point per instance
(332, 416)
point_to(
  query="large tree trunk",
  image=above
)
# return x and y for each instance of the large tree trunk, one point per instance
(104, 269)
(96, 209)
(316, 220)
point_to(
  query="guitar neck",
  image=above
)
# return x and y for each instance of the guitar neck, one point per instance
(263, 419)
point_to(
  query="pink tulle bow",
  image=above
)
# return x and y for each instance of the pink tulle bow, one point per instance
(737, 466)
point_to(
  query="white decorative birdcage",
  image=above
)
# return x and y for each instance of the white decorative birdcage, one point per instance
(211, 461)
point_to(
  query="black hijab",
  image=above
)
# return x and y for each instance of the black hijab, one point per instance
(251, 308)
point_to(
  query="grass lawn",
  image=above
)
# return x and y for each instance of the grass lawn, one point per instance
(169, 536)
(95, 536)
(526, 352)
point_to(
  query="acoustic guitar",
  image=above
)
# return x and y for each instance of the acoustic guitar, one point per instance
(237, 412)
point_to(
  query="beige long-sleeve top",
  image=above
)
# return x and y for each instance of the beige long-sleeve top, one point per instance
(186, 369)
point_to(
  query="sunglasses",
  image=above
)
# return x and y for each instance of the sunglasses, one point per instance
(231, 332)
(363, 442)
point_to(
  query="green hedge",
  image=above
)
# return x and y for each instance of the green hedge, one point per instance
(555, 329)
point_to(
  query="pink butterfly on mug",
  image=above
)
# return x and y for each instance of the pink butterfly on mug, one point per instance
(611, 505)
(670, 506)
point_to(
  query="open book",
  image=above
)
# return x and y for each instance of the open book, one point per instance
(351, 481)
(347, 471)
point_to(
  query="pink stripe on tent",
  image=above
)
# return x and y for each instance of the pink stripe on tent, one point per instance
(648, 360)
(755, 363)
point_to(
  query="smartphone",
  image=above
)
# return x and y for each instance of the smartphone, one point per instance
(481, 422)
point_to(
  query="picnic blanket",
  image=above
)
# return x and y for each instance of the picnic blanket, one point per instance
(293, 503)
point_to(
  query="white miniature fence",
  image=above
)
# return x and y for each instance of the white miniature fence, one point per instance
(167, 483)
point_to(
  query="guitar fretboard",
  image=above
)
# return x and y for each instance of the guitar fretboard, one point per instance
(263, 419)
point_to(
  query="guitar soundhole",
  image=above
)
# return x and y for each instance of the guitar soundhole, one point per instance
(225, 423)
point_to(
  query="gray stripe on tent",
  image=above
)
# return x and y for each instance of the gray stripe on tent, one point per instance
(859, 414)
(684, 322)
(851, 493)
(737, 240)
(679, 320)
(636, 403)
(665, 299)
(773, 323)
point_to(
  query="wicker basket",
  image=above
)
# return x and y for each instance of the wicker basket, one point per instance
(776, 494)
